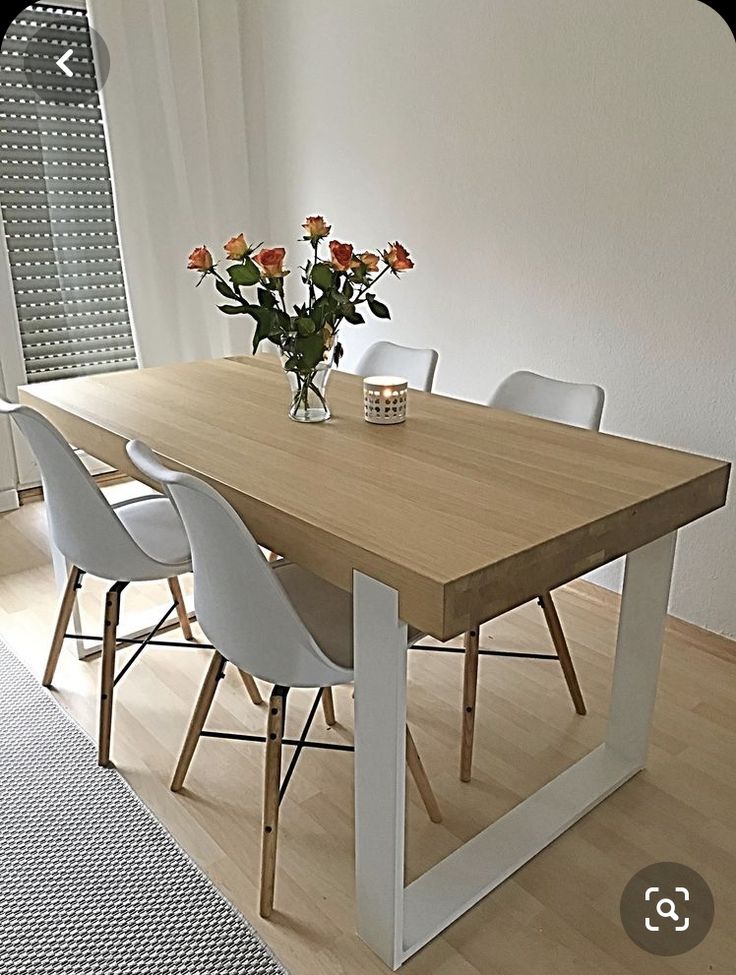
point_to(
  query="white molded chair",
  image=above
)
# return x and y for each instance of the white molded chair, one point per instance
(137, 540)
(576, 404)
(274, 620)
(417, 366)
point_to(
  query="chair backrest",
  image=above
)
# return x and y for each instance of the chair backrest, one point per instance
(578, 404)
(240, 604)
(82, 523)
(417, 366)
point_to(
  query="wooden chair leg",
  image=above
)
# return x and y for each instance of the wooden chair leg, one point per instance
(107, 671)
(65, 611)
(563, 651)
(470, 688)
(421, 779)
(251, 687)
(328, 706)
(272, 782)
(181, 609)
(201, 710)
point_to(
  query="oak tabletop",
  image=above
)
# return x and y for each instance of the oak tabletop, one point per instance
(466, 510)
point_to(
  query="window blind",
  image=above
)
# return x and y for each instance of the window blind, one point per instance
(57, 205)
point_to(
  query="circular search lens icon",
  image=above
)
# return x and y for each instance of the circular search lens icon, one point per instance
(667, 909)
(670, 912)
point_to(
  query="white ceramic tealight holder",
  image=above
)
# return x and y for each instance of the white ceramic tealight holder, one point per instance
(384, 399)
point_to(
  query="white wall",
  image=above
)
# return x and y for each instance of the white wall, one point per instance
(563, 175)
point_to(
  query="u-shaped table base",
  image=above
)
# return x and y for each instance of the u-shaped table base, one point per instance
(397, 920)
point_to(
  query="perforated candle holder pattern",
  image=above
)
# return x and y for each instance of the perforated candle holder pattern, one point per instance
(384, 399)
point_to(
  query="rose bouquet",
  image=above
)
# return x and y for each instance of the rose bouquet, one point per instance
(338, 286)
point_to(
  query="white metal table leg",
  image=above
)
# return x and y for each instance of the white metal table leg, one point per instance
(397, 922)
(644, 602)
(379, 639)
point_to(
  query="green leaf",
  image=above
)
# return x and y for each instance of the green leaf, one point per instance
(245, 274)
(309, 349)
(323, 276)
(305, 326)
(340, 302)
(225, 290)
(265, 322)
(281, 321)
(322, 310)
(235, 309)
(377, 307)
(348, 289)
(266, 298)
(353, 316)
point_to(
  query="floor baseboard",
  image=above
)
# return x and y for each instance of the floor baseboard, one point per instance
(9, 500)
(105, 479)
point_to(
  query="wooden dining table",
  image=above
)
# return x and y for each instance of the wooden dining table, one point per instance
(457, 515)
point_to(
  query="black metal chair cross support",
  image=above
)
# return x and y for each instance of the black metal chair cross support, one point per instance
(472, 653)
(144, 641)
(147, 640)
(297, 743)
(440, 648)
(129, 641)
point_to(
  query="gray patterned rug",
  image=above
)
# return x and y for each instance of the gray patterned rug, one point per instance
(90, 882)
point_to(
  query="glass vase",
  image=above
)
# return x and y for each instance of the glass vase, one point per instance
(308, 402)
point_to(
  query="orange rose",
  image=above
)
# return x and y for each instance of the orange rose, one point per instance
(271, 260)
(236, 248)
(200, 260)
(316, 227)
(397, 257)
(369, 261)
(342, 256)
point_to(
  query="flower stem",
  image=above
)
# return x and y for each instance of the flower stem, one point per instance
(305, 384)
(315, 245)
(369, 284)
(320, 397)
(241, 299)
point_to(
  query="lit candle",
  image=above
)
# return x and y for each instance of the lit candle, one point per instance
(384, 399)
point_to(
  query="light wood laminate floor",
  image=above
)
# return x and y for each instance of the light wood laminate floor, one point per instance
(559, 914)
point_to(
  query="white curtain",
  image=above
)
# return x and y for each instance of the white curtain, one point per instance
(10, 356)
(180, 98)
(8, 470)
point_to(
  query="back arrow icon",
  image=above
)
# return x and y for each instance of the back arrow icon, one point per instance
(62, 62)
